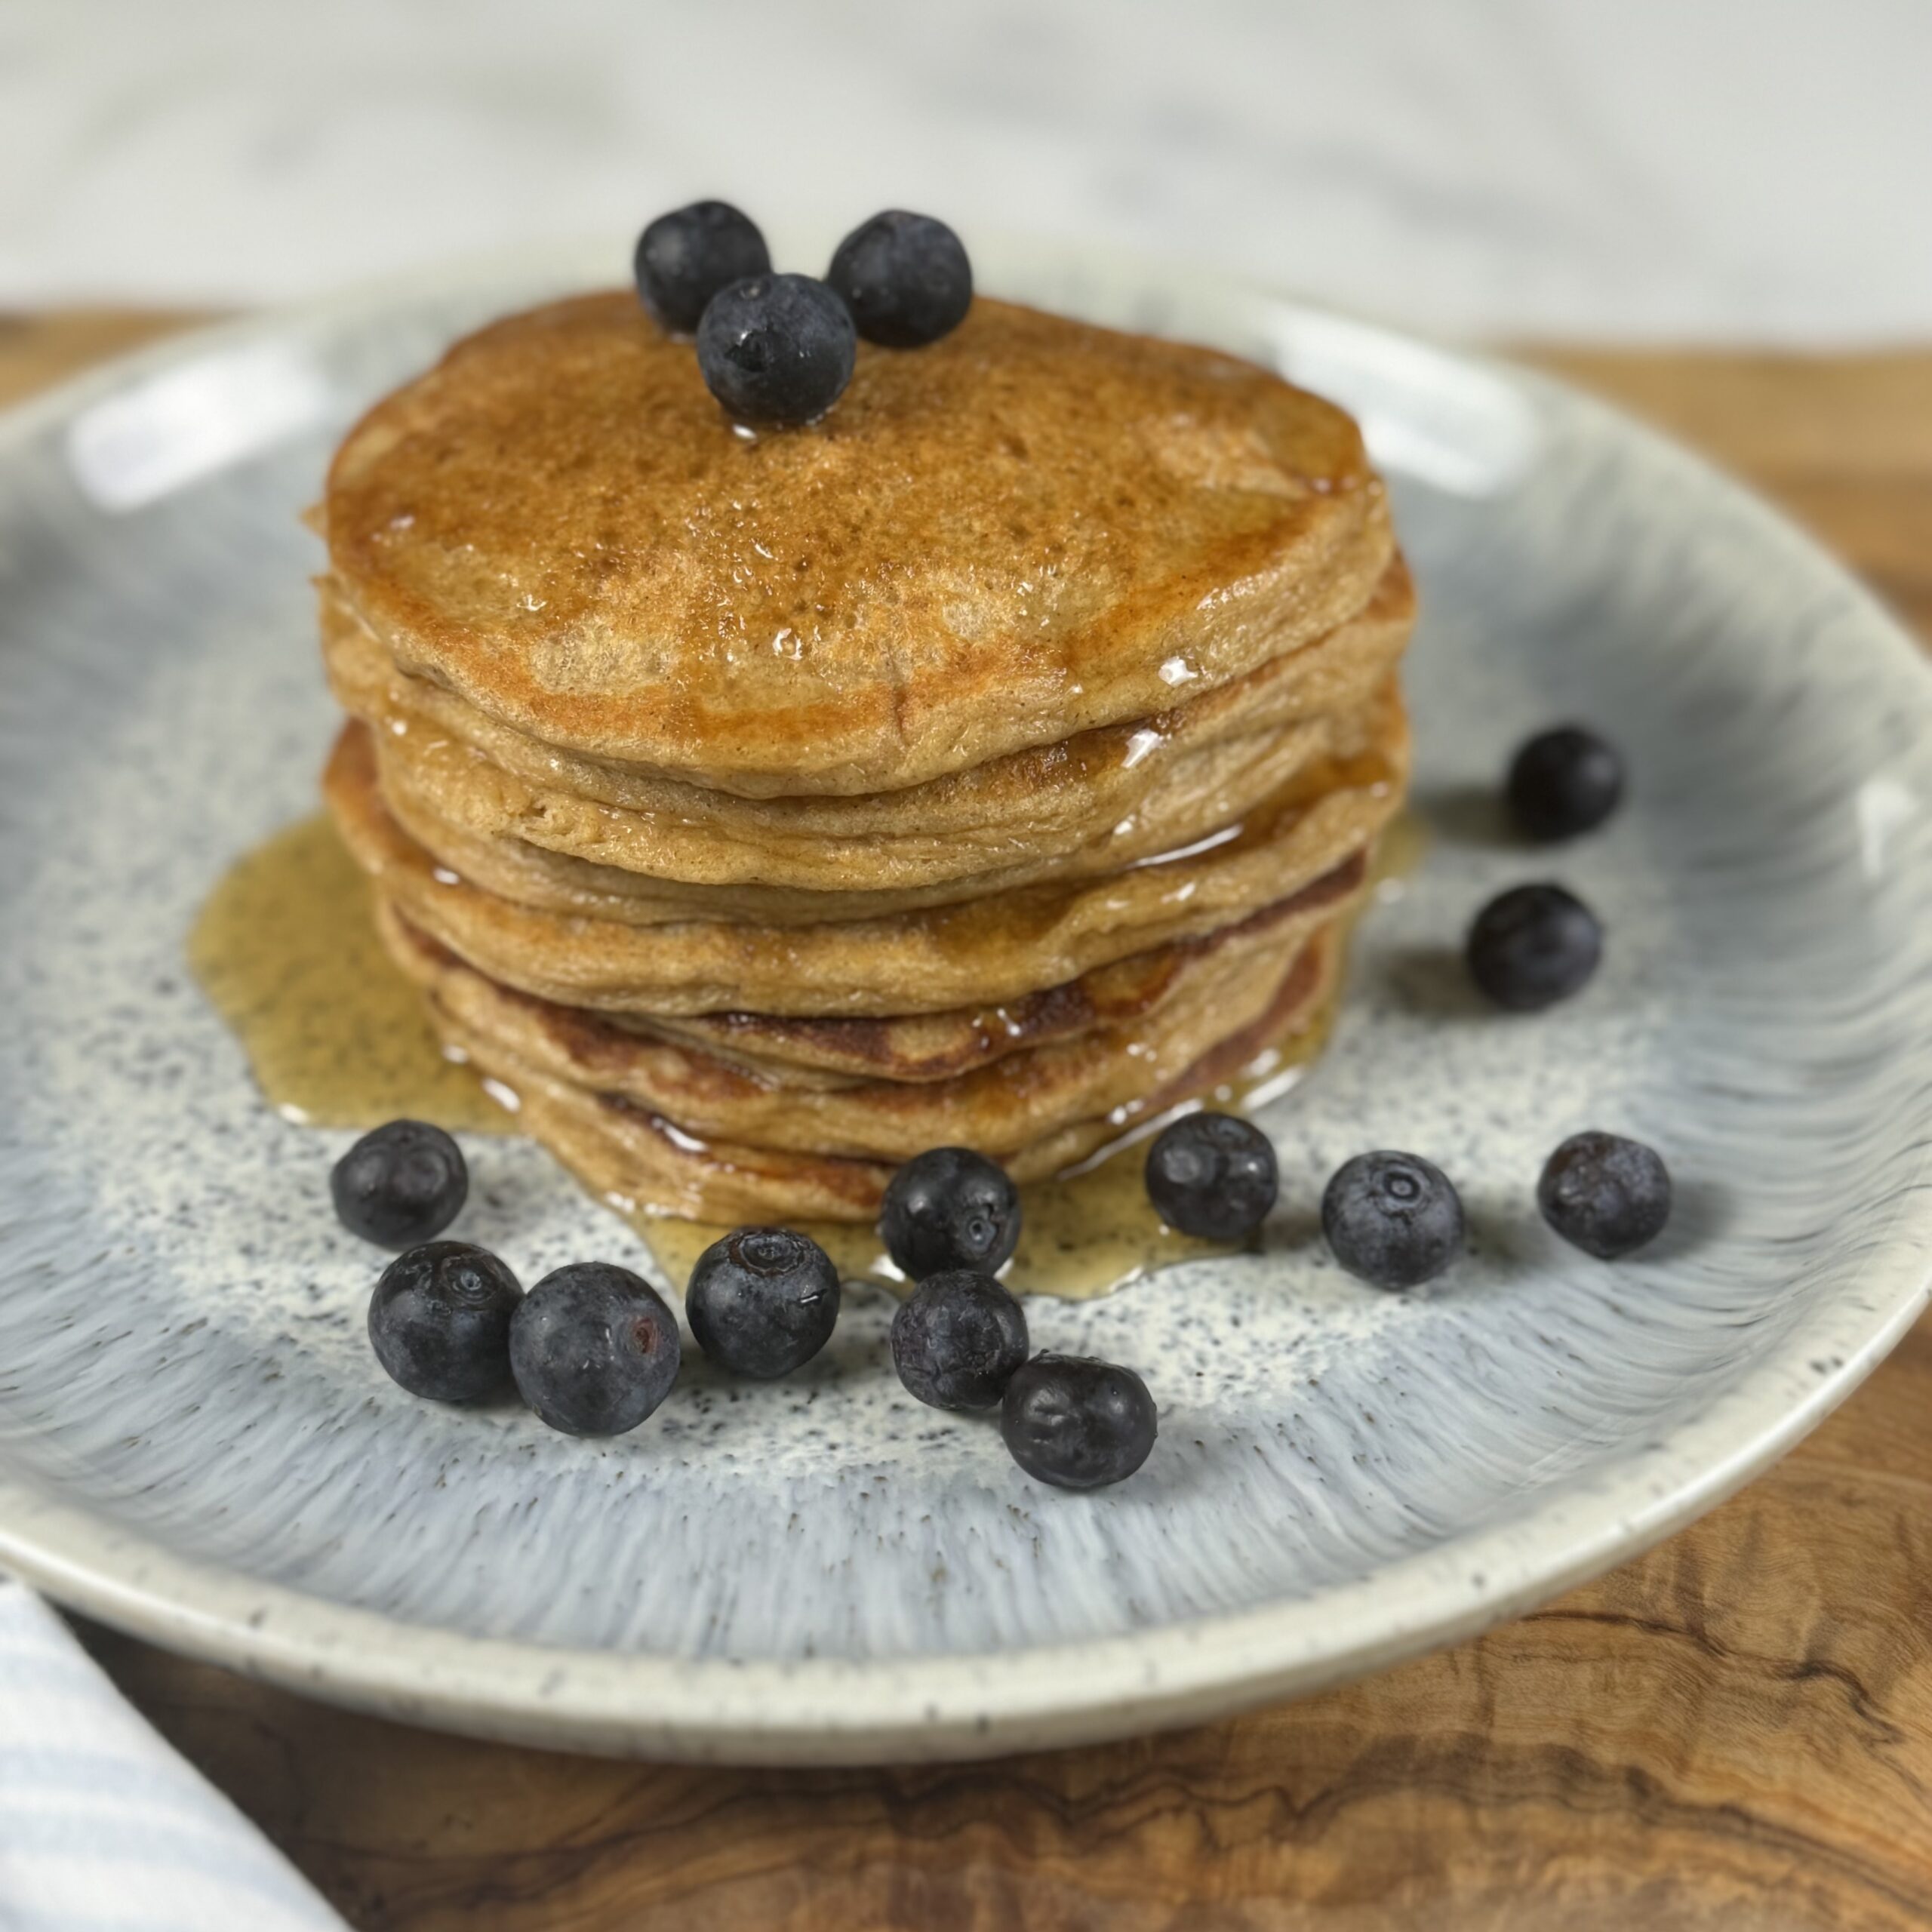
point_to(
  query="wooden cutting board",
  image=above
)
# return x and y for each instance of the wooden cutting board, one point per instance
(1733, 1732)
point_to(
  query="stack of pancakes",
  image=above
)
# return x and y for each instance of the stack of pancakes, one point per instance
(995, 762)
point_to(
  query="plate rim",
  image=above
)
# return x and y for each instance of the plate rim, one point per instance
(837, 1711)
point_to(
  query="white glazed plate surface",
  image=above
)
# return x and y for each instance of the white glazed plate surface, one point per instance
(196, 1443)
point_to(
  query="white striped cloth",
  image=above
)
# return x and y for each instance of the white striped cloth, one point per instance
(103, 1827)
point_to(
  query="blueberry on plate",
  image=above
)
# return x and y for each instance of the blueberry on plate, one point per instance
(403, 1184)
(763, 1301)
(776, 349)
(947, 1208)
(594, 1349)
(685, 257)
(958, 1340)
(1562, 782)
(1533, 945)
(1212, 1175)
(905, 278)
(439, 1321)
(1076, 1423)
(1393, 1221)
(1605, 1194)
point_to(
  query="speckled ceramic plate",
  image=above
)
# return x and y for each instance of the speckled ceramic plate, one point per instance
(194, 1441)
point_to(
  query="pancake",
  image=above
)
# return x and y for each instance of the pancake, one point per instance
(1253, 771)
(924, 961)
(836, 1051)
(1031, 529)
(1168, 779)
(640, 1163)
(999, 1108)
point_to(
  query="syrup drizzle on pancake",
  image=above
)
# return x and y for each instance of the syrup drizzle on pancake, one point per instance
(337, 1037)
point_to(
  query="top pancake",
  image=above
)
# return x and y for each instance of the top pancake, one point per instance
(1031, 528)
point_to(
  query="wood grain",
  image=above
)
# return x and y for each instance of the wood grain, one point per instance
(1734, 1732)
(38, 349)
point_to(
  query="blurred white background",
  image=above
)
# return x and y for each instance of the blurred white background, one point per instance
(1743, 169)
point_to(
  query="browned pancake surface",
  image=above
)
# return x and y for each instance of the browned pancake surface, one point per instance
(1032, 528)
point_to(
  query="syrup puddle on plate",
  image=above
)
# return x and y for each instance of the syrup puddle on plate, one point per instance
(287, 951)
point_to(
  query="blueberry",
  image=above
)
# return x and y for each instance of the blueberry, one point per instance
(905, 278)
(1605, 1194)
(1076, 1423)
(948, 1208)
(1212, 1175)
(957, 1338)
(1393, 1219)
(1562, 782)
(776, 349)
(439, 1321)
(685, 257)
(594, 1349)
(763, 1301)
(402, 1184)
(1532, 947)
